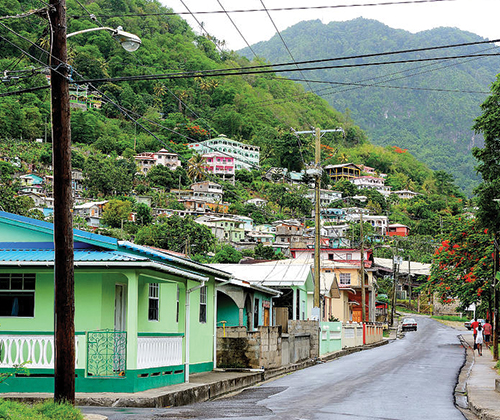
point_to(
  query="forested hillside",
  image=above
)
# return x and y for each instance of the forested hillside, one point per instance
(257, 109)
(428, 107)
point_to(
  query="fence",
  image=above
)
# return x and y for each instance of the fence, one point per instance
(36, 350)
(157, 351)
(330, 337)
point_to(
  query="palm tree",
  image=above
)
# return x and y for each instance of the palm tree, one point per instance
(196, 167)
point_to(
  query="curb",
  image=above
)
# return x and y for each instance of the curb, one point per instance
(194, 393)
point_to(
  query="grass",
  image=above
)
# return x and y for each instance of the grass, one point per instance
(450, 318)
(47, 410)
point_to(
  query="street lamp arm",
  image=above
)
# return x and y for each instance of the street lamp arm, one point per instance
(129, 42)
(91, 30)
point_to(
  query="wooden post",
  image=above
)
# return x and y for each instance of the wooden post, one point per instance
(64, 296)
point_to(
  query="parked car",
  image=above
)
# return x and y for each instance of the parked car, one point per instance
(409, 324)
(467, 323)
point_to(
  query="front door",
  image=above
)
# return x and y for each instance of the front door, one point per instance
(266, 317)
(120, 323)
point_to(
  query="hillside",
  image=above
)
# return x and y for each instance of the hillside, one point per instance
(393, 105)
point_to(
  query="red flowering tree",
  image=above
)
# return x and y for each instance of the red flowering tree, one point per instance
(463, 264)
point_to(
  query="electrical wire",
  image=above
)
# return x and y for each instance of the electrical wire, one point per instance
(237, 29)
(277, 9)
(231, 72)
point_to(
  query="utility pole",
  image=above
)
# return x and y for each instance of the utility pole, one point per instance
(409, 281)
(316, 172)
(64, 296)
(317, 224)
(496, 325)
(363, 292)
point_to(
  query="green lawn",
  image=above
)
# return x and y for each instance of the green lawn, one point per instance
(48, 410)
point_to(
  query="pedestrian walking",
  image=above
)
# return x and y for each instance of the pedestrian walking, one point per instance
(487, 329)
(479, 340)
(474, 325)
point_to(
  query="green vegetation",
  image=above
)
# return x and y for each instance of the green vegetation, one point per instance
(48, 410)
(435, 126)
(450, 318)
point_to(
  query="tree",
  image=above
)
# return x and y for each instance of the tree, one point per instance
(161, 177)
(107, 176)
(489, 160)
(463, 265)
(116, 212)
(143, 216)
(196, 167)
(227, 255)
(177, 234)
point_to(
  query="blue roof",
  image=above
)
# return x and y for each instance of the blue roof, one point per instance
(47, 255)
(41, 226)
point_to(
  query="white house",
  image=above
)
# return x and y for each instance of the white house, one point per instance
(246, 156)
(372, 182)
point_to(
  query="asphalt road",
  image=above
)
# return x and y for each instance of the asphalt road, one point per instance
(411, 378)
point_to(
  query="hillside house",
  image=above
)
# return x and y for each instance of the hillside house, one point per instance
(405, 194)
(372, 183)
(225, 229)
(379, 223)
(245, 156)
(347, 171)
(397, 229)
(221, 165)
(207, 190)
(326, 197)
(145, 161)
(91, 212)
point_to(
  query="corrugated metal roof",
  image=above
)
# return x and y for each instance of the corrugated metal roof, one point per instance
(47, 255)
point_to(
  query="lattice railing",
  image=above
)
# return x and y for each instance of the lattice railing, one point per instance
(157, 351)
(37, 351)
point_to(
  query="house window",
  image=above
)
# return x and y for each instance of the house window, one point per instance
(348, 256)
(17, 295)
(345, 278)
(154, 302)
(203, 304)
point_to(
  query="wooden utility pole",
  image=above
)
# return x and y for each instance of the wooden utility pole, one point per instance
(64, 294)
(496, 325)
(363, 291)
(409, 282)
(317, 224)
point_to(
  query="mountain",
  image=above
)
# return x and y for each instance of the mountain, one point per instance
(425, 107)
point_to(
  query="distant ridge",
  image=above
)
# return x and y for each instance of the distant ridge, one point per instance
(434, 125)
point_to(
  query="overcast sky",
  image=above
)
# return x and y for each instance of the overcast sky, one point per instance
(481, 17)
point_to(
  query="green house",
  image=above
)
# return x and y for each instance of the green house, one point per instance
(143, 318)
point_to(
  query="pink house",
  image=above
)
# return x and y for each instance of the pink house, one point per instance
(397, 229)
(221, 165)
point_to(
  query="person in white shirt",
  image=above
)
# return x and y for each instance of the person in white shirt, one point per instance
(479, 340)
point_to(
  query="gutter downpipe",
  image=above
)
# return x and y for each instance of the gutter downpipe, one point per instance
(187, 320)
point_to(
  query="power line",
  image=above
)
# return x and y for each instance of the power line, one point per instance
(242, 72)
(236, 27)
(277, 9)
(386, 86)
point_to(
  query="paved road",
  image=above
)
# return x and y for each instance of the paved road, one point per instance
(411, 378)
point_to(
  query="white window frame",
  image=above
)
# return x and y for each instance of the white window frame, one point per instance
(153, 302)
(345, 279)
(203, 305)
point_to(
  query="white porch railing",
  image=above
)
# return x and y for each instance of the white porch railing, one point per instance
(158, 351)
(35, 350)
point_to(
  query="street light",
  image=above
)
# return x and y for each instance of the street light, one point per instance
(129, 42)
(64, 279)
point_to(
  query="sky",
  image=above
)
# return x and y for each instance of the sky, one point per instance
(477, 16)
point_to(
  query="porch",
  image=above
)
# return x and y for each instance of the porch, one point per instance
(102, 363)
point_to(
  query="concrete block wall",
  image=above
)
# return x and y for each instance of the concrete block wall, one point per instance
(301, 327)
